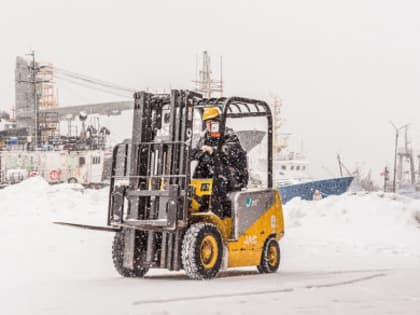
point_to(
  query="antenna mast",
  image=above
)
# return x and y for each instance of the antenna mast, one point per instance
(205, 84)
(277, 122)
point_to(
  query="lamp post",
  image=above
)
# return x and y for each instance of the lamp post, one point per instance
(397, 131)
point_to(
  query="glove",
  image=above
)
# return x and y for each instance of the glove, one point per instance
(206, 148)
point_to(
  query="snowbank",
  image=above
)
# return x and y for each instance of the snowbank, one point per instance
(356, 219)
(355, 226)
(34, 197)
(364, 211)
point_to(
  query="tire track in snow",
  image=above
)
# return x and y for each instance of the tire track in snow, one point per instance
(252, 293)
(336, 284)
(213, 296)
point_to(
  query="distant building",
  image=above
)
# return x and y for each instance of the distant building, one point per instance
(40, 94)
(24, 96)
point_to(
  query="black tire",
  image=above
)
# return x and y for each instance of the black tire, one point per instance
(270, 257)
(202, 251)
(72, 180)
(118, 255)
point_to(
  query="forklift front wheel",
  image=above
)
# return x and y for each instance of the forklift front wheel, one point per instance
(270, 258)
(118, 255)
(202, 251)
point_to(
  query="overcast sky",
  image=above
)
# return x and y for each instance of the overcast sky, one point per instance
(343, 69)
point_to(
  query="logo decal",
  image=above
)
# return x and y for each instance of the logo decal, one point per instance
(248, 202)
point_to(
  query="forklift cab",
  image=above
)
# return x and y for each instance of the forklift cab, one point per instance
(241, 157)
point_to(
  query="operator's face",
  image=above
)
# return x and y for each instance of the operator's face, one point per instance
(208, 125)
(212, 127)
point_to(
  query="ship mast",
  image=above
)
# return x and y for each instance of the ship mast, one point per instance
(204, 83)
(277, 122)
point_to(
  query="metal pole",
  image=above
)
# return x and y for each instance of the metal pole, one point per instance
(395, 161)
(221, 76)
(397, 130)
(385, 177)
(339, 165)
(35, 100)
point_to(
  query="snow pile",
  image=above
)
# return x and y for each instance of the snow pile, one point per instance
(363, 221)
(34, 199)
(38, 248)
(364, 211)
(353, 225)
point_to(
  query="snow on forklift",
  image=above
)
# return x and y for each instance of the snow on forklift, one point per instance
(165, 218)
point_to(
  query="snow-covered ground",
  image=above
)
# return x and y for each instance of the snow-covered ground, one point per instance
(351, 254)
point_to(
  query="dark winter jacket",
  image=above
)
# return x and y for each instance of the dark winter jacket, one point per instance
(231, 159)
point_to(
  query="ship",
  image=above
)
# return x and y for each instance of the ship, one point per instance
(291, 169)
(315, 189)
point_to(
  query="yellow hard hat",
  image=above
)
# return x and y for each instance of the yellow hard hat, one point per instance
(211, 113)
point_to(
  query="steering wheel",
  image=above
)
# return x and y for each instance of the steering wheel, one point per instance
(203, 159)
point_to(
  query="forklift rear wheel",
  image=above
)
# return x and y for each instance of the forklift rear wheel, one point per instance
(202, 251)
(270, 258)
(118, 255)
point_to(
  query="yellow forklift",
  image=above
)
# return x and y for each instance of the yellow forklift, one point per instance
(165, 218)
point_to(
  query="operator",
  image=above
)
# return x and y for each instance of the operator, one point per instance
(232, 172)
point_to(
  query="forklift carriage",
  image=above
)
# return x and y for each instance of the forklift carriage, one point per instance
(164, 218)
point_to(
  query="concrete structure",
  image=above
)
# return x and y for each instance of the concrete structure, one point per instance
(24, 96)
(42, 86)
